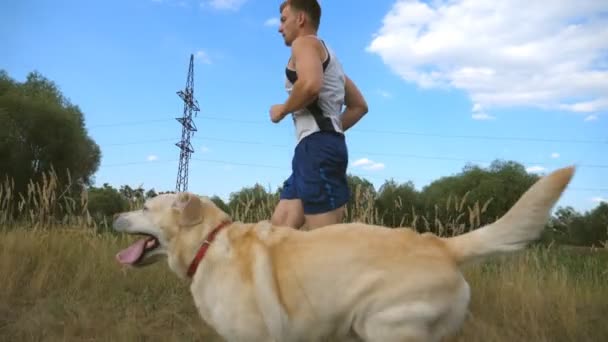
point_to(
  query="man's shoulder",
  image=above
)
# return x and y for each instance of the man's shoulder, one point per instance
(304, 42)
(310, 42)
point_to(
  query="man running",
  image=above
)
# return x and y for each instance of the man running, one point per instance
(316, 192)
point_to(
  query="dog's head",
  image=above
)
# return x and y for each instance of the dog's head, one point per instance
(169, 225)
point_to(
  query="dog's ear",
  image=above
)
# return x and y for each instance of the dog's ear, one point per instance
(189, 208)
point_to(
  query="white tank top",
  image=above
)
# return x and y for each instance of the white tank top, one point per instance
(324, 113)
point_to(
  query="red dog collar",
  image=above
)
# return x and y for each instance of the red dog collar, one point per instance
(203, 249)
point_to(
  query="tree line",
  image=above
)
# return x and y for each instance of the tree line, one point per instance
(41, 131)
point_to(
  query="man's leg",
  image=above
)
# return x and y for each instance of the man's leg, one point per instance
(314, 221)
(289, 212)
(321, 180)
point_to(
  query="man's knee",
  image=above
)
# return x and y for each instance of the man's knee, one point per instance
(288, 213)
(320, 220)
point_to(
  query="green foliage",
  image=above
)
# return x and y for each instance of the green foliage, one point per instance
(47, 163)
(104, 202)
(492, 191)
(220, 203)
(588, 229)
(252, 203)
(42, 131)
(397, 203)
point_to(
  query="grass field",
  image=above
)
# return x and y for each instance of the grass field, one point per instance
(64, 285)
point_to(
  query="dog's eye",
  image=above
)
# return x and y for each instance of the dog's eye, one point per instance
(145, 209)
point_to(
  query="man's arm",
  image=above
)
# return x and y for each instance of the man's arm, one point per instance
(310, 75)
(355, 104)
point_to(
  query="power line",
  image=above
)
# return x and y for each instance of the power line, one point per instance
(392, 132)
(141, 142)
(413, 156)
(130, 123)
(138, 163)
(371, 153)
(484, 137)
(225, 162)
(240, 164)
(245, 142)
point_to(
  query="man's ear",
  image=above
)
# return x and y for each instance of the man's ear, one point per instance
(300, 18)
(190, 209)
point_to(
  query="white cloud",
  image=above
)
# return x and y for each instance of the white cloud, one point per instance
(374, 167)
(202, 56)
(152, 157)
(588, 106)
(599, 200)
(385, 94)
(232, 5)
(179, 3)
(272, 22)
(362, 161)
(367, 164)
(552, 55)
(591, 118)
(555, 155)
(480, 114)
(535, 169)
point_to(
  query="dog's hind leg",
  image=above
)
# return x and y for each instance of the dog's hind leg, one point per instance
(397, 324)
(452, 320)
(403, 333)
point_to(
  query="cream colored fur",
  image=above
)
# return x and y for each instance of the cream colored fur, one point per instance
(353, 281)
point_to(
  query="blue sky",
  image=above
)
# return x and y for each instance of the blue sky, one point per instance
(446, 83)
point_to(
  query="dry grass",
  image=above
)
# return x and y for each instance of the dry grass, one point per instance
(45, 203)
(65, 285)
(541, 295)
(60, 284)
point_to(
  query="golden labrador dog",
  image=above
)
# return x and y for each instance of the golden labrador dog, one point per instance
(258, 282)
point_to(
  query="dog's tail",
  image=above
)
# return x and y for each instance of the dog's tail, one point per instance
(522, 224)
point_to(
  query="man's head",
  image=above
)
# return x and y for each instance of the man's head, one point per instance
(299, 17)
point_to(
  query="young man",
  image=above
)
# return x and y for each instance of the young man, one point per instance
(316, 193)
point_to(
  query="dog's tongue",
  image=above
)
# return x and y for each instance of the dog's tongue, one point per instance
(130, 254)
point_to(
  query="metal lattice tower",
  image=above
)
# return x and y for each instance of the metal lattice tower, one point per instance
(188, 128)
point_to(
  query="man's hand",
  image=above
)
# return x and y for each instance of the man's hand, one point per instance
(355, 103)
(277, 113)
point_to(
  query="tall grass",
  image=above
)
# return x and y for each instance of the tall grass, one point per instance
(45, 203)
(65, 285)
(59, 280)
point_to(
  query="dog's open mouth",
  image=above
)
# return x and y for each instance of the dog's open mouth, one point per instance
(133, 254)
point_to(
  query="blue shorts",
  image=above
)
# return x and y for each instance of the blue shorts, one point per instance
(318, 175)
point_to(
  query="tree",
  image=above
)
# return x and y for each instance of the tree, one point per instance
(220, 204)
(573, 228)
(151, 193)
(104, 202)
(135, 197)
(252, 204)
(476, 196)
(397, 203)
(43, 131)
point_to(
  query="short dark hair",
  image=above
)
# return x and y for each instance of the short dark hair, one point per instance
(310, 7)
